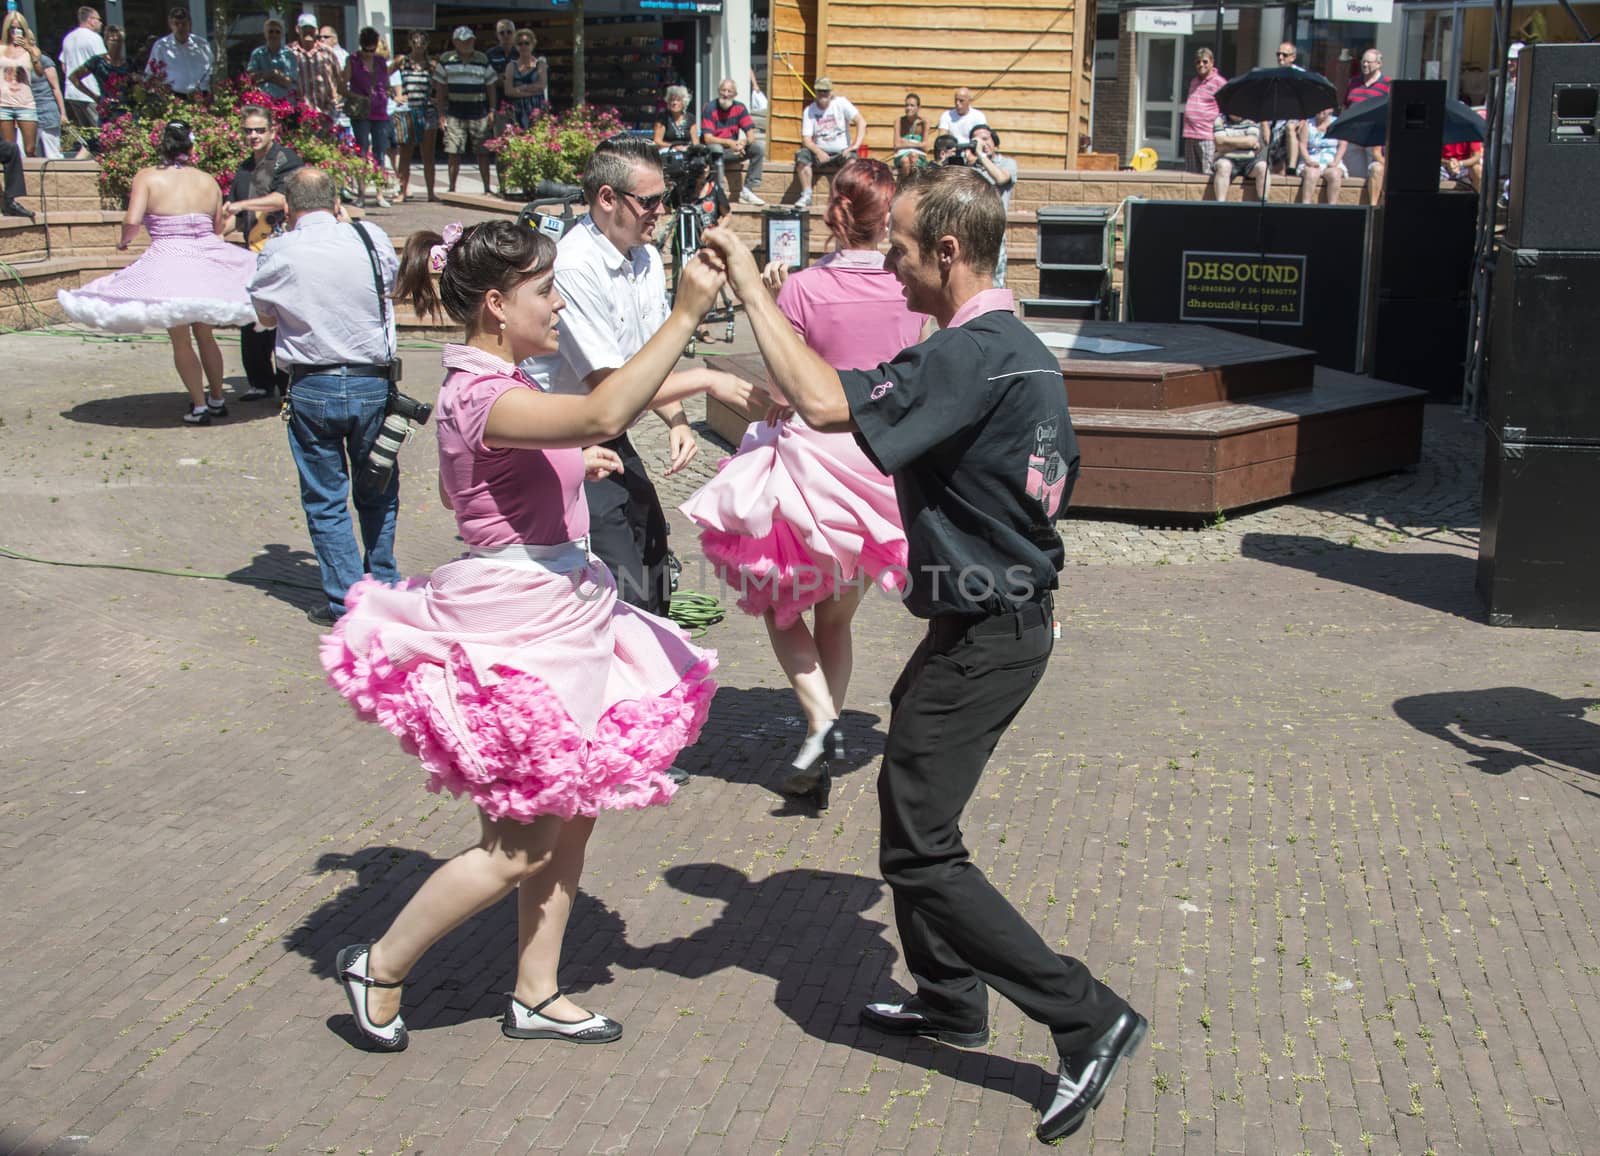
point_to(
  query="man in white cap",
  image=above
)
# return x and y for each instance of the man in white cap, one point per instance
(320, 81)
(464, 86)
(831, 132)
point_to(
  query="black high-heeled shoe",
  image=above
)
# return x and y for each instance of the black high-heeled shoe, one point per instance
(812, 781)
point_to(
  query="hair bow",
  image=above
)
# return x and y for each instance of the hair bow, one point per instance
(437, 254)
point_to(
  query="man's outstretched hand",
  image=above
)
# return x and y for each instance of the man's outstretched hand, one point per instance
(697, 286)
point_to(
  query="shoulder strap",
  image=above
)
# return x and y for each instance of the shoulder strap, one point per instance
(377, 279)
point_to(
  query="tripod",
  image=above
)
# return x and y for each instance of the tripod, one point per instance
(685, 238)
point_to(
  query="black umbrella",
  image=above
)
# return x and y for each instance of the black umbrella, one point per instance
(1277, 94)
(1367, 123)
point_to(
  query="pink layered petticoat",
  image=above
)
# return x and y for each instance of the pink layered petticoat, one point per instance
(533, 692)
(794, 516)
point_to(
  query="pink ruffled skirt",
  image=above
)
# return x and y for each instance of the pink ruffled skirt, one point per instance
(534, 691)
(794, 515)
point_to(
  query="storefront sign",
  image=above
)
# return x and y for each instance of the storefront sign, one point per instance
(1269, 289)
(1283, 273)
(1363, 11)
(1167, 23)
(680, 5)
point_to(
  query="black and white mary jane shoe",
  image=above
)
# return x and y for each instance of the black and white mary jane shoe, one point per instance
(352, 973)
(526, 1023)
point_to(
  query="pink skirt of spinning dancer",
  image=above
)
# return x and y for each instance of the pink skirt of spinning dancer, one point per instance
(796, 514)
(521, 681)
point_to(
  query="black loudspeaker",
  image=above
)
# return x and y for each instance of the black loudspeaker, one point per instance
(1538, 552)
(1544, 347)
(1422, 343)
(1426, 242)
(1416, 136)
(1555, 148)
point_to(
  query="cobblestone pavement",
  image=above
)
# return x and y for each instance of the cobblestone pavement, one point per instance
(1332, 833)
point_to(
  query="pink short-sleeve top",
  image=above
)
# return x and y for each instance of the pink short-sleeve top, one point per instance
(850, 310)
(502, 497)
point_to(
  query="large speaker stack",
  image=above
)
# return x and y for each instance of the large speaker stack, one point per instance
(1425, 243)
(1539, 552)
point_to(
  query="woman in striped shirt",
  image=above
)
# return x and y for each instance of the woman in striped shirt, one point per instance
(416, 123)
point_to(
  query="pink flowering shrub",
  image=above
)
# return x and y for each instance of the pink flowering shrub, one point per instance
(128, 141)
(554, 146)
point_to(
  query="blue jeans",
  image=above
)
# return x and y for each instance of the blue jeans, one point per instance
(334, 419)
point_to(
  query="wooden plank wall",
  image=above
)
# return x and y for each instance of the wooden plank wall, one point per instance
(793, 41)
(1024, 60)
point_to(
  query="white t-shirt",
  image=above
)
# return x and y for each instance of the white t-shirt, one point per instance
(78, 47)
(961, 127)
(615, 303)
(829, 127)
(188, 64)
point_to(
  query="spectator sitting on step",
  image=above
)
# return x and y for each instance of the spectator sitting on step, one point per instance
(1321, 164)
(1239, 150)
(909, 135)
(728, 130)
(675, 125)
(1462, 164)
(831, 132)
(963, 118)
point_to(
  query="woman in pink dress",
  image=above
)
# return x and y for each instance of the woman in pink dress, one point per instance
(514, 672)
(188, 280)
(799, 520)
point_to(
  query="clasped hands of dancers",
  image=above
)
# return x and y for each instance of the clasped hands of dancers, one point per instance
(521, 680)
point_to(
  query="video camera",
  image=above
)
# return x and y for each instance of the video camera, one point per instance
(963, 155)
(684, 171)
(550, 193)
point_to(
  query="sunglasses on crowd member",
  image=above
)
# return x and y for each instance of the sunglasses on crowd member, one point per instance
(1285, 56)
(248, 131)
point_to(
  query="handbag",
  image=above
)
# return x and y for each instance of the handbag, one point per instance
(357, 105)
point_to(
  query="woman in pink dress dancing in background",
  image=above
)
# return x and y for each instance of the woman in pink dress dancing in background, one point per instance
(189, 279)
(514, 672)
(799, 520)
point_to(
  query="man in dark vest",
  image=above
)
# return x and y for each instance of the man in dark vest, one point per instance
(972, 424)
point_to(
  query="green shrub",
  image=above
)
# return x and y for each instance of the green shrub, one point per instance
(554, 146)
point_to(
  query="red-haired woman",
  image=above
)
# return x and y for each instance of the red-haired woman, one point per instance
(799, 520)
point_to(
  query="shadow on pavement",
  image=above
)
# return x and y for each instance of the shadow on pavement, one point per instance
(805, 930)
(752, 733)
(466, 975)
(1507, 727)
(163, 410)
(283, 572)
(1442, 582)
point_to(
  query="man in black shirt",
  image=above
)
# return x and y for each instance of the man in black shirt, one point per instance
(972, 424)
(258, 197)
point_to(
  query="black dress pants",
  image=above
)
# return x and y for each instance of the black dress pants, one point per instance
(964, 684)
(11, 160)
(255, 350)
(628, 531)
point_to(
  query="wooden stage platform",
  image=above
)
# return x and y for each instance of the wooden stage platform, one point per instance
(1190, 420)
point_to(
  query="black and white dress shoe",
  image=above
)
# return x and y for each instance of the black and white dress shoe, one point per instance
(352, 972)
(1082, 1077)
(526, 1023)
(911, 1018)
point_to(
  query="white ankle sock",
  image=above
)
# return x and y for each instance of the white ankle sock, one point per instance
(811, 749)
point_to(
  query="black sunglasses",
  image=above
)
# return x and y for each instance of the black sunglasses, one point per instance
(248, 131)
(1283, 55)
(646, 204)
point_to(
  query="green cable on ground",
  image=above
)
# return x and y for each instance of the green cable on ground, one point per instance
(7, 552)
(695, 612)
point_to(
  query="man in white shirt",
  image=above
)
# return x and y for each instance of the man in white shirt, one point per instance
(186, 59)
(609, 273)
(78, 47)
(315, 285)
(963, 118)
(330, 40)
(826, 130)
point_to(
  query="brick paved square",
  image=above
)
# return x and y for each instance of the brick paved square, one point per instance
(1282, 787)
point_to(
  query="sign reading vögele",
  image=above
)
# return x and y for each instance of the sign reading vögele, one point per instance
(1268, 289)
